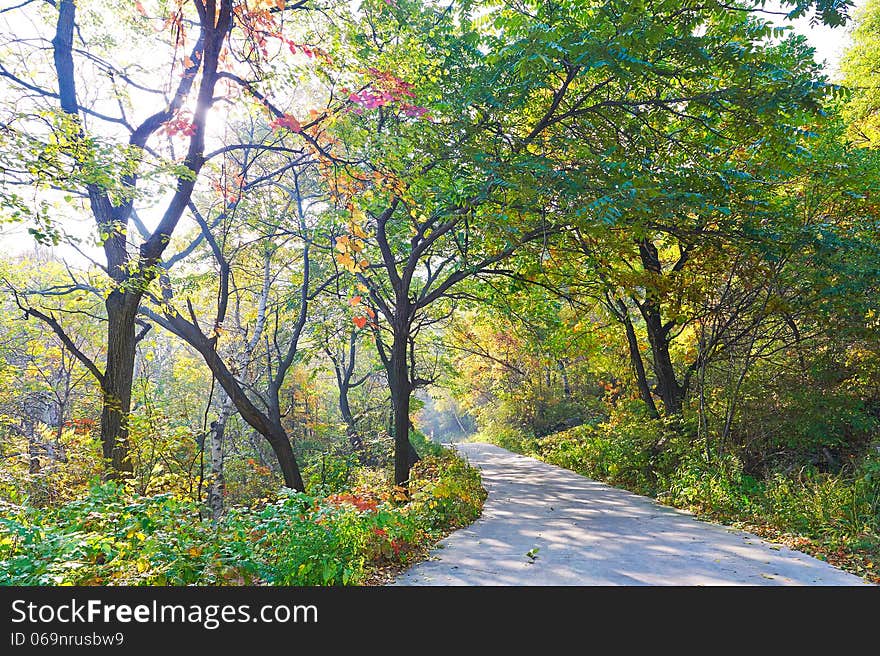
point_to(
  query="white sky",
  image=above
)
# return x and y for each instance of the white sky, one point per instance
(829, 42)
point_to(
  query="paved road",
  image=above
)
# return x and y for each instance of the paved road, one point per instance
(587, 533)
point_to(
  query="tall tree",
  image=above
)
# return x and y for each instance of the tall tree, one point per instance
(77, 150)
(532, 118)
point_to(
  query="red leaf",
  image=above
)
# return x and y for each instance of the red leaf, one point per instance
(286, 121)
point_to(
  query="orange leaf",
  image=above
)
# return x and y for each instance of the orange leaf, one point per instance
(360, 322)
(354, 300)
(346, 261)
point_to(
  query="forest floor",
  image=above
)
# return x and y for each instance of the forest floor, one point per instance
(544, 525)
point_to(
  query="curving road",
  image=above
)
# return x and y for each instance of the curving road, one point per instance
(582, 532)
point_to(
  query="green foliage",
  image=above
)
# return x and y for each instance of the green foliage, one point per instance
(423, 445)
(593, 205)
(56, 480)
(446, 492)
(105, 538)
(859, 67)
(619, 451)
(329, 472)
(115, 537)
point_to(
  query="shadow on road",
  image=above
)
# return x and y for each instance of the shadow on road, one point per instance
(582, 532)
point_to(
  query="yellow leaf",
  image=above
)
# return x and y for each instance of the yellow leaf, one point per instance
(346, 261)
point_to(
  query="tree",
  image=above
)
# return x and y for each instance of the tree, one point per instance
(74, 157)
(274, 343)
(568, 109)
(861, 76)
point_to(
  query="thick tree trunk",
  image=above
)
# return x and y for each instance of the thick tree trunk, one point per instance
(283, 449)
(117, 383)
(668, 388)
(400, 391)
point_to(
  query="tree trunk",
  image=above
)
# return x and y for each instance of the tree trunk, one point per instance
(668, 388)
(283, 449)
(354, 439)
(400, 391)
(121, 312)
(217, 489)
(635, 356)
(273, 431)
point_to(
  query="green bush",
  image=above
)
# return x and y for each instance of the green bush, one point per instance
(109, 537)
(327, 473)
(115, 537)
(446, 492)
(423, 445)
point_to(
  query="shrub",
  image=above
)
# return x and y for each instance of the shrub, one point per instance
(445, 491)
(113, 536)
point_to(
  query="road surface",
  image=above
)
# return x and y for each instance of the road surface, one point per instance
(544, 525)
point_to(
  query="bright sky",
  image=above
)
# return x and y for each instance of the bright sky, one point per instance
(828, 42)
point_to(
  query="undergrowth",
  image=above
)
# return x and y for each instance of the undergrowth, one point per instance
(114, 537)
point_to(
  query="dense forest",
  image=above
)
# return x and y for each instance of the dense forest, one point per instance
(262, 257)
